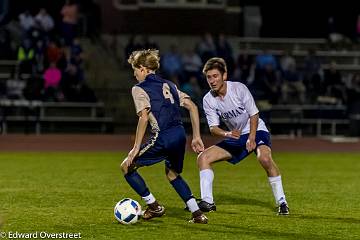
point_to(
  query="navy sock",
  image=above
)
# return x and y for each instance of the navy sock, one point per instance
(182, 188)
(137, 183)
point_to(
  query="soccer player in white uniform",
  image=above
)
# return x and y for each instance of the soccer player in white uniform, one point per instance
(232, 103)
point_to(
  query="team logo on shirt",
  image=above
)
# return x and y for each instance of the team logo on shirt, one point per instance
(231, 114)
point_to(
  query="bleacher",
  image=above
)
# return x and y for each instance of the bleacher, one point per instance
(50, 117)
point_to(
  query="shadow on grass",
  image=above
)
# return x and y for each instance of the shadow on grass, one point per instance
(240, 232)
(327, 218)
(224, 199)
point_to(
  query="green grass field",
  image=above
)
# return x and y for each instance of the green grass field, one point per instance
(76, 192)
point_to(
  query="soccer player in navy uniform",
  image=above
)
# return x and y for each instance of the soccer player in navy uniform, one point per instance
(232, 103)
(157, 101)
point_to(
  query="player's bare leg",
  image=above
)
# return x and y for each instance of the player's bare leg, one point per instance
(205, 160)
(266, 161)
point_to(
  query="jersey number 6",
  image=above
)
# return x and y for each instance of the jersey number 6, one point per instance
(167, 93)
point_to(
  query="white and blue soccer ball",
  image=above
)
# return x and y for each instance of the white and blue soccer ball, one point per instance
(127, 211)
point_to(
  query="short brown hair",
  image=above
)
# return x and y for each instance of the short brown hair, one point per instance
(147, 58)
(215, 63)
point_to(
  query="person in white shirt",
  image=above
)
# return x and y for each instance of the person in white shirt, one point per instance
(44, 20)
(232, 103)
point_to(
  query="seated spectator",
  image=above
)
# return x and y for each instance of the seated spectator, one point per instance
(44, 21)
(333, 83)
(27, 23)
(206, 48)
(286, 61)
(265, 58)
(70, 13)
(353, 93)
(52, 78)
(243, 68)
(171, 63)
(25, 56)
(224, 50)
(313, 74)
(192, 64)
(193, 89)
(292, 83)
(267, 85)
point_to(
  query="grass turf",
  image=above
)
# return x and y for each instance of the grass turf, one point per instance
(76, 192)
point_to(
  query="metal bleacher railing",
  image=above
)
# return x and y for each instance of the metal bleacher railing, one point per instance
(37, 114)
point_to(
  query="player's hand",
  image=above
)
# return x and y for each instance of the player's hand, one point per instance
(131, 155)
(250, 144)
(233, 134)
(197, 145)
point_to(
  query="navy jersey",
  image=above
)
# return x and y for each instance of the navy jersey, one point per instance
(162, 98)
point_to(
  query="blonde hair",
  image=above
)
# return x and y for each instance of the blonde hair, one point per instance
(215, 63)
(147, 58)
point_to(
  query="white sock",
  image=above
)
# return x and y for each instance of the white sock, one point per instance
(277, 189)
(149, 199)
(192, 205)
(206, 180)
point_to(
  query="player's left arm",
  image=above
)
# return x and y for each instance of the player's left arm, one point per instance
(250, 143)
(196, 143)
(140, 132)
(253, 112)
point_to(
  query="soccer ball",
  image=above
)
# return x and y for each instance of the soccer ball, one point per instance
(127, 211)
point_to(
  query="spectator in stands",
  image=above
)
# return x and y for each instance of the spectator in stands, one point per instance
(52, 78)
(39, 56)
(267, 85)
(358, 28)
(243, 68)
(286, 61)
(313, 74)
(131, 46)
(193, 89)
(292, 83)
(6, 51)
(76, 52)
(25, 56)
(224, 50)
(265, 58)
(171, 64)
(334, 83)
(70, 13)
(147, 43)
(53, 52)
(44, 22)
(27, 23)
(206, 48)
(353, 93)
(191, 64)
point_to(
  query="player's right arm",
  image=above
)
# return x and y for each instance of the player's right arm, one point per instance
(142, 106)
(216, 131)
(213, 120)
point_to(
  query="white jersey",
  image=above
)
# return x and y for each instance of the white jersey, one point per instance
(234, 109)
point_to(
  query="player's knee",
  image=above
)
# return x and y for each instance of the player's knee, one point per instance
(203, 160)
(170, 175)
(124, 168)
(266, 161)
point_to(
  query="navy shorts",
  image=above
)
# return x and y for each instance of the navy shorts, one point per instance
(168, 145)
(237, 147)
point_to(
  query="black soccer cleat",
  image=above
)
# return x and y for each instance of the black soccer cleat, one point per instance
(283, 209)
(207, 207)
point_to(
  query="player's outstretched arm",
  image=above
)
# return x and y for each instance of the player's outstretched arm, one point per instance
(140, 132)
(196, 144)
(216, 131)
